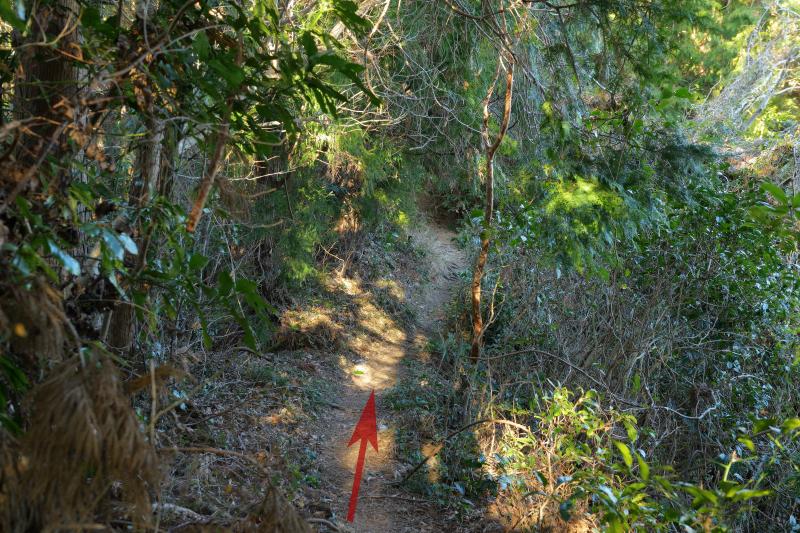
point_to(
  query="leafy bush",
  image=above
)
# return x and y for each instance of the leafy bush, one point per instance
(584, 462)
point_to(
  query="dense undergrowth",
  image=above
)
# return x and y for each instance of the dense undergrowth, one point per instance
(686, 341)
(184, 181)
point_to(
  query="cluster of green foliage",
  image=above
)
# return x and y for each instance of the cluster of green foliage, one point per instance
(613, 478)
(714, 256)
(94, 220)
(196, 76)
(609, 193)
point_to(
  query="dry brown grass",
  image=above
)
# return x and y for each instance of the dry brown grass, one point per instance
(83, 453)
(311, 327)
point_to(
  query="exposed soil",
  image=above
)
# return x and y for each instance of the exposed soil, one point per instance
(293, 410)
(382, 343)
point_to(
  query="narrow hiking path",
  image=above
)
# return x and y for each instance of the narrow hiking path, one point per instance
(382, 344)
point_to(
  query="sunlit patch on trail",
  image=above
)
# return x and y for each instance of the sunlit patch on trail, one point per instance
(381, 321)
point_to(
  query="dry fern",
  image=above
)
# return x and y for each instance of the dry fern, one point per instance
(83, 448)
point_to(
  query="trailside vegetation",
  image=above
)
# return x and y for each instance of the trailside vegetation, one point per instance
(178, 177)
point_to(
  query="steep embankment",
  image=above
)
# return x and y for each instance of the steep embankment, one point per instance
(382, 343)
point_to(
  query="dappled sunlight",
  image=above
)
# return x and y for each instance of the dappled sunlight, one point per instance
(375, 332)
(375, 461)
(581, 193)
(432, 449)
(421, 345)
(313, 326)
(392, 288)
(374, 336)
(443, 261)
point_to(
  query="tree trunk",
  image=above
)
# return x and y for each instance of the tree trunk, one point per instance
(43, 94)
(483, 254)
(47, 83)
(144, 186)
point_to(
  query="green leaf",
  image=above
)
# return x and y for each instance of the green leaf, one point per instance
(16, 377)
(762, 212)
(664, 484)
(10, 424)
(615, 526)
(348, 69)
(14, 17)
(644, 469)
(347, 10)
(201, 45)
(748, 494)
(309, 44)
(339, 63)
(790, 425)
(198, 262)
(625, 452)
(170, 310)
(700, 494)
(128, 243)
(91, 18)
(112, 278)
(207, 342)
(747, 442)
(140, 299)
(249, 290)
(69, 262)
(21, 265)
(231, 73)
(775, 191)
(225, 283)
(114, 244)
(637, 384)
(633, 434)
(609, 493)
(763, 424)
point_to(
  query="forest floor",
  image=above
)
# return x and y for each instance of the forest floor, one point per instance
(367, 325)
(382, 344)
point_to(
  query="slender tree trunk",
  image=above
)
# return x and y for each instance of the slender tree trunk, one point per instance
(483, 254)
(143, 187)
(207, 183)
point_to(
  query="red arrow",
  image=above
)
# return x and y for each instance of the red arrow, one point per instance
(366, 430)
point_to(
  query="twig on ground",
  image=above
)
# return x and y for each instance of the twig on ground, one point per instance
(184, 512)
(213, 451)
(326, 523)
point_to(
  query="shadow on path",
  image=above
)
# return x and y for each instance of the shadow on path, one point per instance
(380, 343)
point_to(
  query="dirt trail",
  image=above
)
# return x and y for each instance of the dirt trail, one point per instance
(382, 344)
